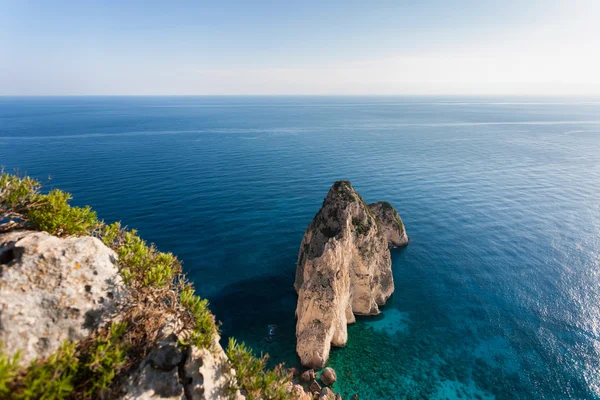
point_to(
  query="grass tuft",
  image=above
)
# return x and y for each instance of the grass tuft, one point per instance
(104, 360)
(8, 371)
(204, 330)
(50, 379)
(252, 376)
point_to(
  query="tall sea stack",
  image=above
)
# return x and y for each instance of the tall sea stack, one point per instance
(344, 269)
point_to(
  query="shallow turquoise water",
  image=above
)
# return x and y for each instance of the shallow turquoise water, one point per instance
(497, 294)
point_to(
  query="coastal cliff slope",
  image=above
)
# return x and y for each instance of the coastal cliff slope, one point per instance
(344, 269)
(91, 310)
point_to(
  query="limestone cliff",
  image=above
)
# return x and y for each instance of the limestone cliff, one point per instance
(391, 223)
(344, 269)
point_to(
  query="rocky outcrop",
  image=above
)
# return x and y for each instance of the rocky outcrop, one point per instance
(326, 394)
(52, 290)
(169, 372)
(344, 269)
(298, 393)
(308, 375)
(390, 222)
(328, 376)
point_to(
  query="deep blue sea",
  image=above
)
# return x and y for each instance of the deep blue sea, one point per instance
(498, 292)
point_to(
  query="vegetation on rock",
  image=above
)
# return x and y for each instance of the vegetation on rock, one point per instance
(158, 291)
(252, 375)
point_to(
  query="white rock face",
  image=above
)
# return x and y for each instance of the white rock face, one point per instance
(344, 268)
(158, 375)
(208, 375)
(170, 373)
(52, 290)
(390, 221)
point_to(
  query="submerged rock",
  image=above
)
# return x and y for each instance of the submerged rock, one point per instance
(344, 268)
(52, 290)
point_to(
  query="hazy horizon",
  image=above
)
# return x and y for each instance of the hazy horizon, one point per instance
(478, 48)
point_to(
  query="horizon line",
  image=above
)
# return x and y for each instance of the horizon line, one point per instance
(314, 95)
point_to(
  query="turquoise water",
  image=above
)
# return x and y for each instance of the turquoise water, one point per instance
(498, 292)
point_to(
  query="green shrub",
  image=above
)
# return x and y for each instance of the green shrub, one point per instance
(106, 356)
(46, 212)
(360, 226)
(8, 371)
(55, 216)
(17, 193)
(66, 373)
(205, 330)
(140, 264)
(52, 379)
(252, 377)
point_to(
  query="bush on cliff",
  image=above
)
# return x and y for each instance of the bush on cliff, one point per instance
(251, 373)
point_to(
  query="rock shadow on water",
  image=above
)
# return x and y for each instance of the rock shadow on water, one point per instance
(247, 309)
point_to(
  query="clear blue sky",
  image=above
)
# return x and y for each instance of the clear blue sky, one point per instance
(283, 47)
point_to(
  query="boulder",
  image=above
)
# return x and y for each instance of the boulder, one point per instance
(149, 383)
(328, 376)
(344, 268)
(207, 374)
(327, 394)
(314, 386)
(52, 290)
(309, 375)
(298, 392)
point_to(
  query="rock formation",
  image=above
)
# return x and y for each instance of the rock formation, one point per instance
(169, 372)
(344, 269)
(391, 223)
(328, 376)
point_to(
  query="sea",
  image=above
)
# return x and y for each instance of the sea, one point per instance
(498, 292)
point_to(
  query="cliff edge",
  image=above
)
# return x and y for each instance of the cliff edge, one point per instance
(90, 310)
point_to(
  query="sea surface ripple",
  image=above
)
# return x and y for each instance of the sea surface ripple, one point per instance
(498, 292)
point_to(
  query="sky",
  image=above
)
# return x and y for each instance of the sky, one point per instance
(227, 47)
